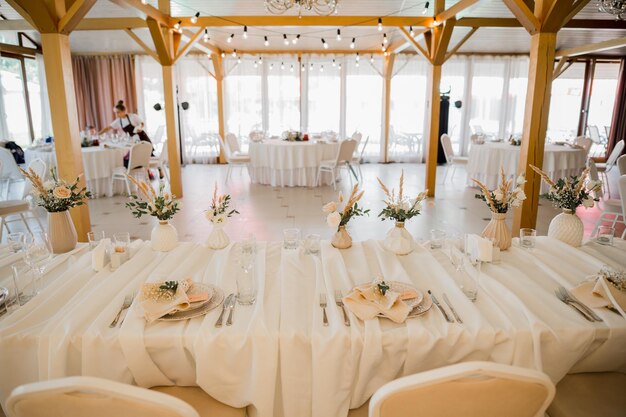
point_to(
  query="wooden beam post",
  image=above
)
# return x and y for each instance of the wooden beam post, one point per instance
(540, 73)
(61, 93)
(387, 76)
(218, 66)
(433, 105)
(171, 125)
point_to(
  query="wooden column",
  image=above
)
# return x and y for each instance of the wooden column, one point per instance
(432, 97)
(218, 66)
(387, 76)
(171, 125)
(61, 93)
(542, 52)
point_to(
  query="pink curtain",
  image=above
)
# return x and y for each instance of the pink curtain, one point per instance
(101, 81)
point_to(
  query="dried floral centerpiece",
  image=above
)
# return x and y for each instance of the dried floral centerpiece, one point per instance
(400, 208)
(217, 213)
(508, 194)
(338, 218)
(57, 196)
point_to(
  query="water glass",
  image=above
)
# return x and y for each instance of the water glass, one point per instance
(466, 283)
(38, 252)
(312, 244)
(437, 238)
(24, 281)
(121, 244)
(527, 238)
(16, 241)
(248, 253)
(94, 238)
(246, 285)
(12, 300)
(605, 235)
(291, 238)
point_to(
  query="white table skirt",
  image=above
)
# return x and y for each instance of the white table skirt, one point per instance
(277, 357)
(485, 161)
(98, 166)
(289, 164)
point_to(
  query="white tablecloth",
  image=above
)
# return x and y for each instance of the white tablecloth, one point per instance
(289, 164)
(277, 357)
(98, 165)
(485, 161)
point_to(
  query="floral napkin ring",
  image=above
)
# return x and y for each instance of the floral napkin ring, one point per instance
(163, 291)
(615, 278)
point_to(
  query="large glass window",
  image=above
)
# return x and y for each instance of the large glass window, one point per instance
(149, 83)
(283, 95)
(323, 95)
(565, 103)
(602, 101)
(15, 110)
(453, 80)
(486, 101)
(243, 97)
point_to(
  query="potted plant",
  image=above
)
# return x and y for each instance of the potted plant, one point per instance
(217, 214)
(57, 196)
(338, 218)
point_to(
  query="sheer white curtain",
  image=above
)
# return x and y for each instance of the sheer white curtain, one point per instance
(243, 95)
(488, 76)
(514, 97)
(321, 93)
(283, 93)
(407, 108)
(149, 87)
(4, 126)
(46, 120)
(455, 79)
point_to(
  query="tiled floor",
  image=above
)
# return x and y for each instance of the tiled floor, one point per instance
(266, 211)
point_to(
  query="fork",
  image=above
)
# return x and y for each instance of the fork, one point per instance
(128, 300)
(571, 299)
(339, 302)
(560, 296)
(323, 305)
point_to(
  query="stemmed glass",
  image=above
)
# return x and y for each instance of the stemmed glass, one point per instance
(38, 253)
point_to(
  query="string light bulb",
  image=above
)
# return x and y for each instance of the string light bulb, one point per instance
(256, 64)
(245, 32)
(338, 34)
(358, 57)
(271, 66)
(206, 35)
(321, 68)
(383, 48)
(380, 24)
(436, 22)
(334, 64)
(296, 39)
(291, 69)
(385, 38)
(144, 1)
(239, 60)
(177, 24)
(411, 31)
(234, 53)
(223, 54)
(352, 43)
(324, 43)
(260, 60)
(372, 58)
(282, 65)
(230, 38)
(267, 43)
(285, 40)
(340, 65)
(194, 18)
(302, 67)
(425, 8)
(311, 66)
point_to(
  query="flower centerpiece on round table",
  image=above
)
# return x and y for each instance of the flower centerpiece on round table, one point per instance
(568, 194)
(57, 196)
(499, 202)
(161, 205)
(217, 214)
(338, 218)
(400, 209)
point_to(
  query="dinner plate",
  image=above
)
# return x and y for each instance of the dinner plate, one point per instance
(421, 308)
(215, 301)
(198, 288)
(400, 287)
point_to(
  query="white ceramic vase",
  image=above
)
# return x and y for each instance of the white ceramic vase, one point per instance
(218, 239)
(61, 232)
(164, 237)
(498, 231)
(567, 227)
(399, 240)
(341, 239)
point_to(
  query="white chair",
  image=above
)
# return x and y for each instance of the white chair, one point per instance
(585, 143)
(204, 404)
(621, 165)
(233, 157)
(357, 136)
(471, 389)
(233, 144)
(157, 138)
(161, 163)
(590, 394)
(611, 208)
(594, 133)
(345, 154)
(605, 168)
(358, 160)
(81, 396)
(455, 161)
(10, 173)
(138, 161)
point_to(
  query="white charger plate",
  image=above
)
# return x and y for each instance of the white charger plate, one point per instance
(202, 307)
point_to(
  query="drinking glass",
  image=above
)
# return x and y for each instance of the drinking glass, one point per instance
(246, 286)
(605, 235)
(466, 283)
(437, 238)
(16, 241)
(121, 243)
(94, 238)
(12, 299)
(291, 238)
(312, 244)
(38, 254)
(24, 281)
(527, 238)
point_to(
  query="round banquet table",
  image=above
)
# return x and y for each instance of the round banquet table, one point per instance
(289, 164)
(485, 161)
(98, 166)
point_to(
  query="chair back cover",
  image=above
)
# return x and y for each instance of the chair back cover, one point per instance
(139, 155)
(93, 397)
(446, 143)
(357, 136)
(158, 135)
(615, 153)
(621, 165)
(593, 175)
(621, 182)
(471, 389)
(232, 142)
(594, 132)
(584, 142)
(39, 166)
(9, 166)
(346, 150)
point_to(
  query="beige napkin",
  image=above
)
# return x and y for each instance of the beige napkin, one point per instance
(600, 293)
(155, 307)
(366, 304)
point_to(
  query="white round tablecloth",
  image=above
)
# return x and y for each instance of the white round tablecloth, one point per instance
(98, 165)
(289, 164)
(485, 161)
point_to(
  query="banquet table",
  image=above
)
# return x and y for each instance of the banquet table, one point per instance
(289, 164)
(98, 165)
(277, 358)
(486, 159)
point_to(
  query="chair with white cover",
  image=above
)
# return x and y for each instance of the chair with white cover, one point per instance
(138, 161)
(590, 395)
(10, 173)
(594, 133)
(345, 154)
(585, 143)
(471, 389)
(157, 137)
(81, 396)
(605, 167)
(161, 162)
(358, 159)
(233, 155)
(611, 208)
(621, 165)
(455, 161)
(204, 404)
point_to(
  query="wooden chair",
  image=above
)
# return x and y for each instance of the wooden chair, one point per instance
(345, 154)
(450, 157)
(590, 395)
(138, 161)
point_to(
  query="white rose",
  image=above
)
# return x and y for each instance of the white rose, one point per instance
(497, 194)
(405, 205)
(329, 207)
(220, 218)
(521, 180)
(516, 203)
(333, 219)
(209, 215)
(588, 202)
(49, 185)
(520, 195)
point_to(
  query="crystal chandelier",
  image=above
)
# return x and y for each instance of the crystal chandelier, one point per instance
(321, 7)
(615, 7)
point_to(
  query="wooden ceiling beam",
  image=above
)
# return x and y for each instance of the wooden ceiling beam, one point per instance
(578, 6)
(455, 10)
(562, 66)
(414, 43)
(206, 47)
(145, 11)
(524, 15)
(417, 34)
(560, 13)
(36, 13)
(74, 15)
(161, 43)
(443, 41)
(460, 43)
(142, 44)
(592, 48)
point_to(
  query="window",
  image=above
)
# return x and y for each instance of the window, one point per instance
(243, 101)
(323, 95)
(16, 112)
(486, 101)
(283, 95)
(603, 97)
(453, 80)
(565, 103)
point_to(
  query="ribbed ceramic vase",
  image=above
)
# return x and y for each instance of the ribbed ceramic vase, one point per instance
(341, 239)
(218, 239)
(164, 237)
(498, 231)
(61, 232)
(567, 227)
(399, 240)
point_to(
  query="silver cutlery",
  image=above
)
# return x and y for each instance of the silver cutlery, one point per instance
(559, 295)
(218, 323)
(323, 305)
(132, 297)
(567, 295)
(231, 307)
(128, 300)
(443, 312)
(339, 302)
(456, 316)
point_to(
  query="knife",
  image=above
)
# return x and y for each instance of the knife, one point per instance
(218, 323)
(231, 307)
(445, 315)
(456, 316)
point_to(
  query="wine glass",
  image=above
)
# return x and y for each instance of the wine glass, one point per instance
(38, 253)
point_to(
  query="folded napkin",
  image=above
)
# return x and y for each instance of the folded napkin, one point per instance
(366, 303)
(99, 255)
(479, 248)
(600, 293)
(158, 302)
